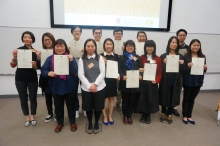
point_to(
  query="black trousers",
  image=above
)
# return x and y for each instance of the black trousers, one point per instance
(49, 103)
(128, 103)
(189, 96)
(59, 107)
(25, 88)
(76, 92)
(170, 109)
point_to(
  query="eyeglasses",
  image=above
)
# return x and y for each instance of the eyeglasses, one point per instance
(118, 33)
(130, 46)
(47, 40)
(97, 33)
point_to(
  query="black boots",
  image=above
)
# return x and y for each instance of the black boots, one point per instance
(147, 118)
(142, 119)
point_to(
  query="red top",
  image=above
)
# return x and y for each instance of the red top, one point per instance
(159, 66)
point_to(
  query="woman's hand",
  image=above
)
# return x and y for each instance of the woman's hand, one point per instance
(190, 64)
(118, 78)
(82, 50)
(185, 52)
(205, 67)
(141, 69)
(38, 53)
(140, 77)
(165, 60)
(181, 61)
(93, 88)
(70, 57)
(34, 64)
(14, 53)
(154, 82)
(51, 74)
(124, 78)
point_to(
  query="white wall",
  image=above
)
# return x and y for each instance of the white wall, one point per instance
(199, 17)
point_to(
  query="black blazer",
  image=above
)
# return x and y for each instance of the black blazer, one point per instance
(122, 72)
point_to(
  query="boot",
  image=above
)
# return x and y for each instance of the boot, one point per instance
(147, 121)
(142, 119)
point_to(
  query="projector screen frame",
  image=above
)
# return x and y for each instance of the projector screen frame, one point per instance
(110, 27)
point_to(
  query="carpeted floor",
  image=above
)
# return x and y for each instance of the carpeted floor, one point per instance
(204, 133)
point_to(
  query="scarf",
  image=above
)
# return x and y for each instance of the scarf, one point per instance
(63, 77)
(129, 63)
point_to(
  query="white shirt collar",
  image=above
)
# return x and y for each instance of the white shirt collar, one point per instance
(149, 57)
(106, 53)
(93, 56)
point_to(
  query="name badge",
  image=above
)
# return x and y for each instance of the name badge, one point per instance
(152, 61)
(90, 65)
(134, 58)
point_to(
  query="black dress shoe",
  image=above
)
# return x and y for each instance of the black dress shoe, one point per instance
(176, 113)
(143, 118)
(130, 121)
(125, 120)
(147, 121)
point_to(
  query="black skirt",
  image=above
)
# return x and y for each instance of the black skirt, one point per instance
(110, 88)
(92, 101)
(148, 101)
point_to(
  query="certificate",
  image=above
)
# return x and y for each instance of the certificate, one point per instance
(61, 65)
(112, 69)
(132, 79)
(99, 47)
(118, 47)
(24, 58)
(150, 71)
(172, 64)
(183, 51)
(197, 67)
(139, 48)
(44, 54)
(76, 49)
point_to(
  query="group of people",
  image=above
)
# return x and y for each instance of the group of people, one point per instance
(90, 71)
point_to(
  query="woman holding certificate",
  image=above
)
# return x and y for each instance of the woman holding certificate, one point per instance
(170, 84)
(26, 82)
(92, 73)
(110, 59)
(61, 68)
(128, 67)
(193, 77)
(141, 38)
(48, 41)
(149, 96)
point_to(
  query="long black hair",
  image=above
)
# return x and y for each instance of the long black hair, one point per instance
(168, 44)
(84, 56)
(150, 43)
(199, 53)
(60, 42)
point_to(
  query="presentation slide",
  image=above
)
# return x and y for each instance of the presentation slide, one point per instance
(121, 13)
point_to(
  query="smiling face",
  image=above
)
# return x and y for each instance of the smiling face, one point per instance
(108, 46)
(195, 47)
(76, 33)
(149, 50)
(60, 49)
(90, 48)
(118, 35)
(173, 44)
(47, 42)
(27, 39)
(97, 35)
(141, 37)
(130, 48)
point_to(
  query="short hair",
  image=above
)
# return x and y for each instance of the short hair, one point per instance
(142, 32)
(50, 36)
(30, 33)
(73, 28)
(178, 31)
(60, 42)
(108, 39)
(129, 42)
(150, 43)
(96, 28)
(117, 30)
(168, 44)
